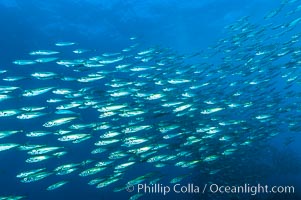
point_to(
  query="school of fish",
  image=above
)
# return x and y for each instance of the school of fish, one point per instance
(151, 106)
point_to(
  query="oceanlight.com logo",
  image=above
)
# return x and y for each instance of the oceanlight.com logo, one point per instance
(251, 189)
(191, 188)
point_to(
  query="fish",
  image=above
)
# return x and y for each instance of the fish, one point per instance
(43, 53)
(107, 182)
(211, 110)
(124, 165)
(32, 108)
(46, 59)
(30, 115)
(15, 197)
(62, 91)
(44, 75)
(36, 91)
(58, 122)
(29, 147)
(70, 63)
(179, 178)
(14, 78)
(42, 150)
(210, 158)
(91, 171)
(89, 79)
(8, 88)
(24, 62)
(35, 177)
(30, 172)
(106, 117)
(10, 112)
(56, 185)
(80, 51)
(35, 159)
(7, 146)
(109, 134)
(73, 137)
(37, 133)
(4, 134)
(64, 44)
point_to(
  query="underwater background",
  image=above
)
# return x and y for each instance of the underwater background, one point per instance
(186, 33)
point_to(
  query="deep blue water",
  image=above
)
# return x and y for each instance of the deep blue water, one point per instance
(106, 26)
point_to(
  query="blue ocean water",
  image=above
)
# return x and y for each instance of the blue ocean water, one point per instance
(186, 27)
